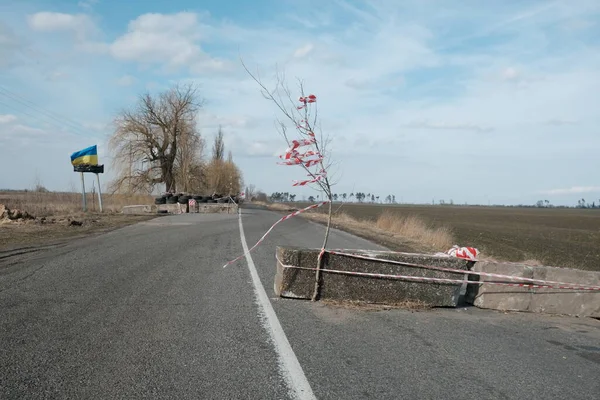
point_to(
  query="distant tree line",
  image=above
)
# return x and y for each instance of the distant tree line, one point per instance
(581, 203)
(361, 197)
(339, 197)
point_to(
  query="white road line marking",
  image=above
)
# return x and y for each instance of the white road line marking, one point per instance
(288, 363)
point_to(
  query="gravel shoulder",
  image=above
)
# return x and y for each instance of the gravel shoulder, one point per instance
(16, 235)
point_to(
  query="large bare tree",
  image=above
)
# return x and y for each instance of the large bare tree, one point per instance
(157, 141)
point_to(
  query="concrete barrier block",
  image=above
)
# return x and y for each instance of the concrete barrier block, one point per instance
(137, 209)
(217, 208)
(299, 284)
(170, 208)
(564, 301)
(506, 298)
(200, 208)
(551, 301)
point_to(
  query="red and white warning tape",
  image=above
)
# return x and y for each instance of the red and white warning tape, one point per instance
(289, 154)
(302, 183)
(312, 206)
(461, 271)
(468, 253)
(312, 163)
(311, 98)
(292, 156)
(298, 161)
(438, 280)
(292, 153)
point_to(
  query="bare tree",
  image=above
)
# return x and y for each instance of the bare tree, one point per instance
(190, 170)
(219, 146)
(303, 116)
(250, 192)
(148, 140)
(223, 176)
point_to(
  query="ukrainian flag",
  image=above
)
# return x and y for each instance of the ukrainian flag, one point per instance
(87, 156)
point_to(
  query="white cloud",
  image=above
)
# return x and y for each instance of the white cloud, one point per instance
(170, 40)
(510, 74)
(303, 51)
(573, 190)
(10, 45)
(210, 120)
(45, 21)
(460, 126)
(560, 122)
(23, 135)
(95, 126)
(55, 76)
(126, 80)
(7, 118)
(260, 149)
(87, 4)
(29, 131)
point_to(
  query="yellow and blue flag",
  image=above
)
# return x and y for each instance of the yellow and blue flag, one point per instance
(87, 156)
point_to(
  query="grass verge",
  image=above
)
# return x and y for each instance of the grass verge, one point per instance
(29, 219)
(409, 234)
(44, 204)
(534, 236)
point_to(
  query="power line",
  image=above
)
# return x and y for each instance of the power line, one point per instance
(64, 122)
(26, 113)
(34, 105)
(43, 112)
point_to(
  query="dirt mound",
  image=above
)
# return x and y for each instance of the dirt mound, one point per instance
(16, 215)
(20, 217)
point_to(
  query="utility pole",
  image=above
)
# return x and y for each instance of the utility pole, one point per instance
(230, 198)
(84, 200)
(93, 196)
(130, 166)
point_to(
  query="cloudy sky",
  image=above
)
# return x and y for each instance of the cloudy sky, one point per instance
(423, 100)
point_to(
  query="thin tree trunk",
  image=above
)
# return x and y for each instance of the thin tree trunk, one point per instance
(320, 258)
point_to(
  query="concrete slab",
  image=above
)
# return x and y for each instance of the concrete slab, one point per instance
(299, 284)
(137, 209)
(580, 303)
(199, 208)
(505, 298)
(570, 302)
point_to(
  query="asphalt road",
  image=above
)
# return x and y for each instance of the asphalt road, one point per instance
(147, 311)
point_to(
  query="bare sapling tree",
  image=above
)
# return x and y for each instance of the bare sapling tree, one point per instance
(303, 116)
(250, 191)
(157, 141)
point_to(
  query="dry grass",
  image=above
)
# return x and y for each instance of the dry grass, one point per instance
(59, 217)
(547, 236)
(276, 206)
(415, 228)
(532, 236)
(406, 233)
(44, 204)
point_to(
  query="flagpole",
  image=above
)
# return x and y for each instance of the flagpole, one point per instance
(83, 192)
(99, 192)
